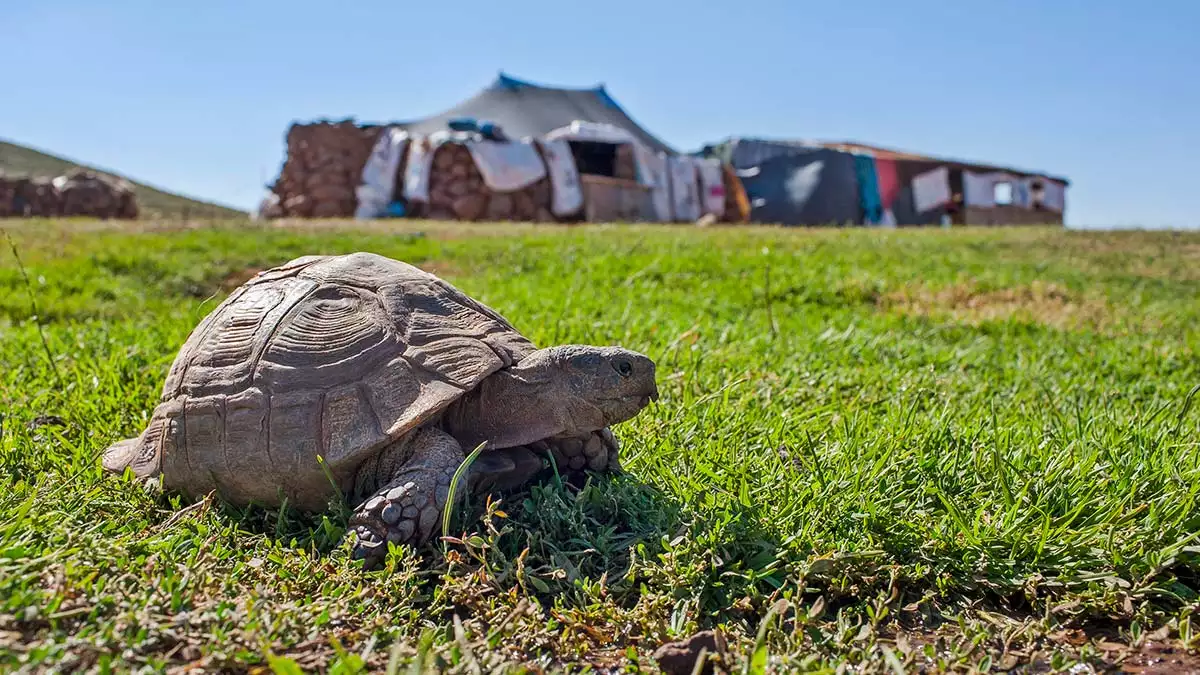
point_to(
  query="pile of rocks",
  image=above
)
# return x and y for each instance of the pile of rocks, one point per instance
(80, 192)
(8, 195)
(457, 192)
(87, 193)
(29, 197)
(323, 166)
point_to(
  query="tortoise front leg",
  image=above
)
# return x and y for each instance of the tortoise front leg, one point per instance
(415, 475)
(596, 451)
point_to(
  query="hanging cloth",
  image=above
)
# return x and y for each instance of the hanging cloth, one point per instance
(868, 189)
(931, 189)
(566, 192)
(657, 178)
(1022, 193)
(378, 183)
(979, 189)
(685, 202)
(887, 181)
(712, 186)
(507, 166)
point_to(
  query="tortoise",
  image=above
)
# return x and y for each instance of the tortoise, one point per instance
(368, 379)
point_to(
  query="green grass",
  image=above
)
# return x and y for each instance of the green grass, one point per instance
(153, 203)
(939, 449)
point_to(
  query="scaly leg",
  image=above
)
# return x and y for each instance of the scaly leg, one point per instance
(415, 476)
(597, 451)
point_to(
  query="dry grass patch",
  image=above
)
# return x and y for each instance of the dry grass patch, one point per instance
(1039, 302)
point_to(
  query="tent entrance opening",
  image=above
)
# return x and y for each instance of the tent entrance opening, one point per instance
(595, 158)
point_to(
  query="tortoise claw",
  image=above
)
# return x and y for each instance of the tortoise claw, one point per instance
(399, 514)
(367, 546)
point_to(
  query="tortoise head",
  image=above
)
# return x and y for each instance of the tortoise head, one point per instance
(616, 382)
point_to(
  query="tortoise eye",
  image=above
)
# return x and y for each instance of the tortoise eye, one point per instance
(624, 368)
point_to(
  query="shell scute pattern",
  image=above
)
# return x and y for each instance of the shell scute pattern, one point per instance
(335, 335)
(393, 390)
(245, 416)
(220, 355)
(350, 423)
(324, 356)
(294, 430)
(204, 435)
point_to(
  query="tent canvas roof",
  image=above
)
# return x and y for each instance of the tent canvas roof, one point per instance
(752, 150)
(525, 109)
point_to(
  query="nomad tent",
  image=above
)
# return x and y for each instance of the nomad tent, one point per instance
(513, 151)
(827, 183)
(525, 109)
(611, 152)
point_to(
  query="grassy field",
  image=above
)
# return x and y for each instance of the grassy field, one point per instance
(894, 450)
(19, 160)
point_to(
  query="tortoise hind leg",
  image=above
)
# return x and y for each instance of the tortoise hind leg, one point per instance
(121, 454)
(142, 454)
(415, 476)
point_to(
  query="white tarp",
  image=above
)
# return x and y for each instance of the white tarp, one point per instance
(420, 162)
(1022, 193)
(1054, 195)
(658, 179)
(931, 189)
(712, 183)
(684, 200)
(420, 165)
(507, 166)
(580, 130)
(378, 182)
(979, 189)
(566, 192)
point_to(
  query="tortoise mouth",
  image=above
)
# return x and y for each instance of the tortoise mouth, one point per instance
(622, 408)
(642, 400)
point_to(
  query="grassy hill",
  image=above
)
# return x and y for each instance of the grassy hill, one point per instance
(18, 159)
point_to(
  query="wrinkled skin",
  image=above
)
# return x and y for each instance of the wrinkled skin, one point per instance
(557, 403)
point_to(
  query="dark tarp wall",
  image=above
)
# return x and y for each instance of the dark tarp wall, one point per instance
(810, 186)
(744, 153)
(829, 203)
(525, 109)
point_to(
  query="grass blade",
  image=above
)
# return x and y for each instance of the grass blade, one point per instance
(454, 481)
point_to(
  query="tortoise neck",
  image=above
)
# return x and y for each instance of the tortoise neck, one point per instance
(507, 409)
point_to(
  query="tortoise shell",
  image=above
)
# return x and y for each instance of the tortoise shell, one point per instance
(331, 357)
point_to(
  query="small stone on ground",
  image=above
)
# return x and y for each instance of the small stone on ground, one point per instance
(679, 658)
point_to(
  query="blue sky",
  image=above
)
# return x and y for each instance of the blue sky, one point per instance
(196, 97)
